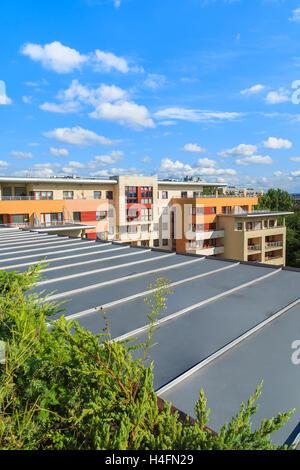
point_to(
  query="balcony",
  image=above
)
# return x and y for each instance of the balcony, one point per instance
(254, 248)
(209, 235)
(32, 198)
(273, 245)
(210, 251)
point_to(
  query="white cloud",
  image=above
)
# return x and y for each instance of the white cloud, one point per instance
(154, 81)
(206, 162)
(194, 115)
(77, 136)
(296, 15)
(257, 159)
(253, 90)
(274, 143)
(63, 59)
(107, 61)
(21, 154)
(117, 171)
(62, 108)
(278, 173)
(59, 152)
(117, 3)
(279, 96)
(193, 148)
(241, 149)
(295, 159)
(39, 170)
(75, 164)
(108, 159)
(177, 169)
(110, 103)
(26, 99)
(4, 99)
(125, 113)
(77, 94)
(146, 159)
(3, 164)
(55, 56)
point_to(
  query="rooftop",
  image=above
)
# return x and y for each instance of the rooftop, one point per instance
(227, 325)
(94, 180)
(257, 214)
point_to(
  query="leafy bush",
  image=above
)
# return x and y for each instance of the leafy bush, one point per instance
(63, 388)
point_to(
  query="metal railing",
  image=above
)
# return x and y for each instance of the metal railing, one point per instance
(274, 244)
(254, 247)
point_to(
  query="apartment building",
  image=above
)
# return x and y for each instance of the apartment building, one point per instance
(145, 211)
(230, 227)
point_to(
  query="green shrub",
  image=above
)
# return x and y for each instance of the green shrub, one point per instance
(64, 388)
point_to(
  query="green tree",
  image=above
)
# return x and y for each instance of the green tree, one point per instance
(276, 200)
(63, 388)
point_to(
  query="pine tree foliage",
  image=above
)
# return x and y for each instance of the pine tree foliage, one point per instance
(63, 388)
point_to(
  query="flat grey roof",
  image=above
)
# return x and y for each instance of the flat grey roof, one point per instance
(227, 324)
(256, 214)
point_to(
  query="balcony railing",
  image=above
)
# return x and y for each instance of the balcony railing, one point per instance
(274, 244)
(254, 247)
(32, 198)
(270, 258)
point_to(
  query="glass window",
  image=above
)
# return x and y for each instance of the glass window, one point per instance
(183, 194)
(109, 195)
(165, 242)
(164, 194)
(97, 194)
(77, 216)
(68, 194)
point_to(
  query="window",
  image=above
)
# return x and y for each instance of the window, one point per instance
(165, 242)
(239, 226)
(52, 218)
(164, 195)
(109, 195)
(200, 210)
(97, 194)
(77, 216)
(213, 210)
(197, 194)
(226, 210)
(131, 194)
(249, 226)
(131, 229)
(146, 214)
(265, 224)
(192, 210)
(19, 219)
(68, 194)
(272, 223)
(132, 214)
(146, 192)
(101, 215)
(19, 191)
(183, 194)
(111, 230)
(156, 242)
(212, 226)
(37, 195)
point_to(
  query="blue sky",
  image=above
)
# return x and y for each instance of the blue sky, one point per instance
(167, 87)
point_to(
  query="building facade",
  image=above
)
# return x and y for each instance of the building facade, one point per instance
(145, 211)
